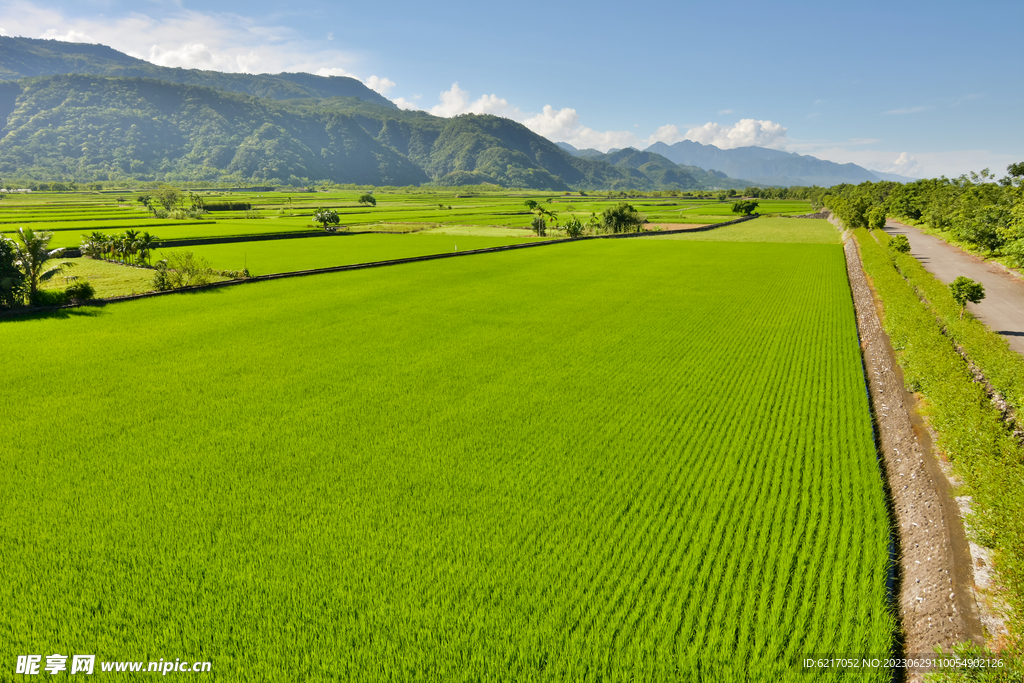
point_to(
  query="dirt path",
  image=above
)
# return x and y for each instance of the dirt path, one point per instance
(1003, 307)
(936, 602)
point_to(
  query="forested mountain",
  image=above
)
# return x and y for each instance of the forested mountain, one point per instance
(80, 127)
(93, 128)
(26, 57)
(87, 113)
(763, 166)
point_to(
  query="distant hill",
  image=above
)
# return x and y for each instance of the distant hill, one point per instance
(25, 57)
(82, 127)
(894, 178)
(588, 152)
(86, 128)
(764, 166)
(77, 112)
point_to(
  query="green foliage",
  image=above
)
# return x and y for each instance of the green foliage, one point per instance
(12, 279)
(384, 460)
(82, 290)
(899, 244)
(876, 218)
(32, 253)
(965, 289)
(622, 218)
(574, 228)
(167, 196)
(181, 269)
(539, 226)
(368, 199)
(326, 217)
(744, 206)
(969, 427)
(227, 206)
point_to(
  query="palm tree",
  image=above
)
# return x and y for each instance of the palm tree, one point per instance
(145, 245)
(131, 244)
(32, 254)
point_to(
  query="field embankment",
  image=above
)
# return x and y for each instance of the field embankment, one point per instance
(967, 377)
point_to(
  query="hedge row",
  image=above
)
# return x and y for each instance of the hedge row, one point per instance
(969, 428)
(227, 206)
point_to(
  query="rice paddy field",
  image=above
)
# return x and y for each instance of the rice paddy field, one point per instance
(284, 256)
(764, 229)
(70, 215)
(614, 460)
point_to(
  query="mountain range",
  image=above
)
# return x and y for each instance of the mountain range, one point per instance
(73, 111)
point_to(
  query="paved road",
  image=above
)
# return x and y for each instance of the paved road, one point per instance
(1003, 307)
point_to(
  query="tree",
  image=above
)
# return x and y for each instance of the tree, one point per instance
(574, 227)
(167, 196)
(181, 269)
(531, 205)
(965, 289)
(368, 199)
(876, 218)
(146, 201)
(621, 218)
(744, 206)
(32, 255)
(899, 244)
(326, 217)
(145, 245)
(12, 280)
(539, 226)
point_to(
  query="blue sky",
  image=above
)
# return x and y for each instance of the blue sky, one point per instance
(922, 89)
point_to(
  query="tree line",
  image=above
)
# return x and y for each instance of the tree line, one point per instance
(978, 210)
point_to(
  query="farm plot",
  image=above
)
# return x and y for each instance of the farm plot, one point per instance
(769, 229)
(617, 460)
(283, 256)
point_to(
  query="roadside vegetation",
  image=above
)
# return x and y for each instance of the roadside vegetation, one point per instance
(943, 352)
(978, 212)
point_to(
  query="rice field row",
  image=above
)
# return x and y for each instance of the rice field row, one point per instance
(641, 460)
(69, 215)
(283, 256)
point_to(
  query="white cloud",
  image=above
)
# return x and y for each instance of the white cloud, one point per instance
(381, 85)
(183, 38)
(334, 71)
(563, 125)
(668, 134)
(71, 36)
(455, 101)
(330, 35)
(406, 104)
(904, 164)
(744, 133)
(725, 111)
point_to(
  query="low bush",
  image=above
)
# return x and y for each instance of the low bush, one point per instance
(81, 290)
(227, 206)
(181, 269)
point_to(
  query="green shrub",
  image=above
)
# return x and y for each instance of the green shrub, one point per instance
(181, 269)
(227, 206)
(81, 290)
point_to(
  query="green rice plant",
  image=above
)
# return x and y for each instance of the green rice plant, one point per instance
(373, 476)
